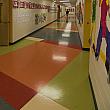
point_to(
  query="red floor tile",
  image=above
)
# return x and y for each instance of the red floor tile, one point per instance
(13, 92)
(56, 43)
(36, 64)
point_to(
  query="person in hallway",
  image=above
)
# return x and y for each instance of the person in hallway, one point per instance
(67, 13)
(80, 15)
(104, 33)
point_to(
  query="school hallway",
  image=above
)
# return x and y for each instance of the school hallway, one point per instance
(47, 70)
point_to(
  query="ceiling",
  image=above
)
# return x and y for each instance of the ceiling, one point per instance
(67, 3)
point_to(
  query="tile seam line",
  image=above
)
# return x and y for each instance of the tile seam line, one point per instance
(18, 49)
(17, 81)
(55, 77)
(57, 72)
(80, 49)
(54, 101)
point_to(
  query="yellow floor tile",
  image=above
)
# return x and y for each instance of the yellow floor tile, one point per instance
(34, 39)
(40, 102)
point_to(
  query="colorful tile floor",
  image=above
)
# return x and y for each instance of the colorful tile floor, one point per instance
(46, 71)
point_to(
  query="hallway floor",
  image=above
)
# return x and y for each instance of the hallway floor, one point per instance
(48, 70)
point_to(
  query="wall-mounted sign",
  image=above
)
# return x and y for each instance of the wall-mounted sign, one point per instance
(40, 18)
(15, 3)
(29, 5)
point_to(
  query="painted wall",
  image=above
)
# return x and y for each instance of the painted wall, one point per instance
(27, 20)
(99, 54)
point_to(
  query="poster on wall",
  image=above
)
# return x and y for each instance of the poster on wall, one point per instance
(101, 44)
(40, 18)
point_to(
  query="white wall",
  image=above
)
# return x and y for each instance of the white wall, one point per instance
(24, 19)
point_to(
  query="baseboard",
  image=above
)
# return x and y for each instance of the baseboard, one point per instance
(86, 49)
(94, 99)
